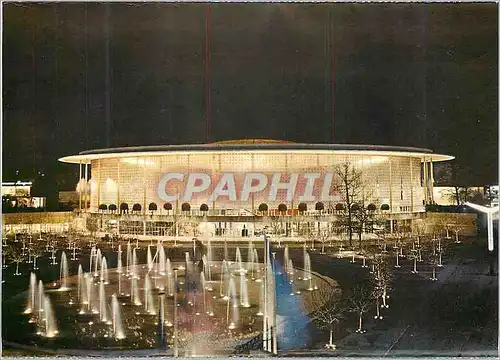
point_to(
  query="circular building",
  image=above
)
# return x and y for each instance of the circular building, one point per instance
(236, 185)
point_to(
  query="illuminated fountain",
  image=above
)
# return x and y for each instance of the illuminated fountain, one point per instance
(97, 262)
(134, 291)
(102, 303)
(224, 279)
(149, 260)
(104, 271)
(261, 300)
(160, 254)
(96, 315)
(256, 260)
(41, 294)
(243, 290)
(232, 299)
(119, 260)
(30, 307)
(47, 326)
(117, 319)
(286, 258)
(79, 284)
(170, 278)
(63, 273)
(149, 305)
(89, 286)
(239, 262)
(206, 267)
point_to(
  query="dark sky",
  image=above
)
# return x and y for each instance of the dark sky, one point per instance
(403, 74)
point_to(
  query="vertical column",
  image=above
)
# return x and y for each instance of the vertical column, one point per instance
(79, 186)
(87, 187)
(144, 209)
(253, 165)
(390, 185)
(99, 167)
(411, 185)
(426, 194)
(176, 341)
(265, 336)
(118, 186)
(431, 182)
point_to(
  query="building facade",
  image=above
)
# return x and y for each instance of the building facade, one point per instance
(238, 186)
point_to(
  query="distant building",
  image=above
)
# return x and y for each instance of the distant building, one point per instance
(16, 195)
(239, 187)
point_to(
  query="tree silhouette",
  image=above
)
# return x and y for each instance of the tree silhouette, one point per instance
(13, 253)
(359, 302)
(351, 189)
(332, 311)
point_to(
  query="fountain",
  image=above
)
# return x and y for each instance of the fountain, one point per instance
(97, 315)
(224, 279)
(256, 259)
(31, 295)
(117, 319)
(239, 262)
(286, 257)
(97, 262)
(307, 266)
(102, 303)
(91, 258)
(119, 260)
(206, 308)
(161, 259)
(250, 264)
(150, 259)
(129, 257)
(134, 291)
(261, 300)
(133, 266)
(232, 299)
(47, 326)
(104, 271)
(89, 286)
(63, 273)
(243, 290)
(79, 282)
(148, 296)
(170, 278)
(206, 267)
(41, 294)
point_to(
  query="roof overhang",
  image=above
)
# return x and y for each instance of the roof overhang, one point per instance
(86, 157)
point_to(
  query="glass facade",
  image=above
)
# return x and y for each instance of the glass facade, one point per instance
(395, 180)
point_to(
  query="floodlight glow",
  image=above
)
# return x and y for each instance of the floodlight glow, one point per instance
(489, 211)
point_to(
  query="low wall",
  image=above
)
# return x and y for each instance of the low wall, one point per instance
(38, 221)
(466, 222)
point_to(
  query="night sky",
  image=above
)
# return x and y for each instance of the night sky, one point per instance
(81, 76)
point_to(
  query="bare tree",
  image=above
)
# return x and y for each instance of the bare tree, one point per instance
(359, 301)
(13, 253)
(351, 189)
(434, 259)
(331, 312)
(364, 216)
(382, 277)
(321, 234)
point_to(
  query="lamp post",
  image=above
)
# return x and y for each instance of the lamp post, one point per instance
(176, 340)
(489, 211)
(269, 331)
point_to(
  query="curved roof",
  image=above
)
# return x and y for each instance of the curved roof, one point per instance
(253, 145)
